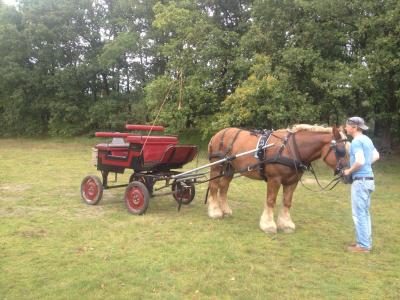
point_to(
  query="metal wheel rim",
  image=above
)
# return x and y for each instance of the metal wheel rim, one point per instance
(135, 199)
(90, 190)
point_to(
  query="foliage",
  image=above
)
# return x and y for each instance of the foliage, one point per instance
(61, 61)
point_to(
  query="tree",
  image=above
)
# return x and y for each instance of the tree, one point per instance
(200, 50)
(67, 68)
(378, 31)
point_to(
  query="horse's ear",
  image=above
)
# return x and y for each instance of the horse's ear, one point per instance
(336, 132)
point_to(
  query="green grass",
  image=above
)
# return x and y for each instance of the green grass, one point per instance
(53, 246)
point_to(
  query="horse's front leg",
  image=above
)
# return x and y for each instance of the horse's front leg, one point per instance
(267, 223)
(285, 222)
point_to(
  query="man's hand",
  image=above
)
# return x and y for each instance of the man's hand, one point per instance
(346, 172)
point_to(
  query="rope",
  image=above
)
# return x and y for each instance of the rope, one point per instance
(180, 90)
(158, 114)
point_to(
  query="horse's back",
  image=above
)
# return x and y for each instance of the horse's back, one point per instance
(231, 141)
(218, 140)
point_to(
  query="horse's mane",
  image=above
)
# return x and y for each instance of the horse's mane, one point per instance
(307, 127)
(315, 128)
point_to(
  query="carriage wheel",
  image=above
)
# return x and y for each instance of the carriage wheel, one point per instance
(183, 191)
(91, 190)
(137, 198)
(145, 180)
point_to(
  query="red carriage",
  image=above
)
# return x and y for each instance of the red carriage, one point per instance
(232, 151)
(152, 159)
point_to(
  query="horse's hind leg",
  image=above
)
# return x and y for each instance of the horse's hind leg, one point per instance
(267, 223)
(214, 208)
(223, 195)
(285, 222)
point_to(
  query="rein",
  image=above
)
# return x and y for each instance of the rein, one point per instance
(338, 172)
(327, 187)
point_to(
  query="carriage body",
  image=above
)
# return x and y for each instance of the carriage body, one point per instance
(152, 158)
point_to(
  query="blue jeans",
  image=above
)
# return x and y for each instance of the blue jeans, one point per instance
(360, 202)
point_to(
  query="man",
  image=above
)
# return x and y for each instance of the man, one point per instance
(362, 155)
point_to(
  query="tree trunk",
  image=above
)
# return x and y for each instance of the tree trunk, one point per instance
(105, 91)
(384, 126)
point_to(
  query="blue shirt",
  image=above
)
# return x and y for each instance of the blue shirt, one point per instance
(363, 143)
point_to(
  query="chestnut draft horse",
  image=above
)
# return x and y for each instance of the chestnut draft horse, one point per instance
(283, 164)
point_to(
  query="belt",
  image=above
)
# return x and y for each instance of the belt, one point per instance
(363, 178)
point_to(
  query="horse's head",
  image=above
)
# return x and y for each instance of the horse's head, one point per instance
(336, 152)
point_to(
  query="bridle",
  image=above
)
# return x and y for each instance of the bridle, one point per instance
(340, 154)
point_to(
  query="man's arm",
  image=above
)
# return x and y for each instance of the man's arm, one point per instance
(360, 160)
(375, 155)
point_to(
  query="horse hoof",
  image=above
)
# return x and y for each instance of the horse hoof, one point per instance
(286, 227)
(287, 230)
(215, 214)
(268, 229)
(227, 212)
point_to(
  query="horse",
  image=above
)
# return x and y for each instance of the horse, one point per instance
(289, 154)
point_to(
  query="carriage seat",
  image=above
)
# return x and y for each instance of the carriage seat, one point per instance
(118, 145)
(114, 149)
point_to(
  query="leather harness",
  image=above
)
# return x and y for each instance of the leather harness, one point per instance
(292, 162)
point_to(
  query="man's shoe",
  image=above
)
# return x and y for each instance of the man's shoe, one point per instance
(357, 249)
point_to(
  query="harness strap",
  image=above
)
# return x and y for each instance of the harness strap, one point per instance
(229, 149)
(221, 142)
(296, 149)
(293, 162)
(226, 167)
(285, 140)
(289, 162)
(260, 154)
(220, 154)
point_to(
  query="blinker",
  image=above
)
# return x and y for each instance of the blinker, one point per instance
(341, 152)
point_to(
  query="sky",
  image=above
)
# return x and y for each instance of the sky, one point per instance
(9, 2)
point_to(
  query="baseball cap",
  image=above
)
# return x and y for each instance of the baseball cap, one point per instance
(358, 121)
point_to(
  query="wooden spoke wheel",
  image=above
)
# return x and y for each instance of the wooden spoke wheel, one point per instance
(137, 198)
(91, 190)
(183, 191)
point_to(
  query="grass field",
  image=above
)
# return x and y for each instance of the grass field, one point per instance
(53, 246)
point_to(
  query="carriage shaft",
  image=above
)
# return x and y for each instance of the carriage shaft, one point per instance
(229, 158)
